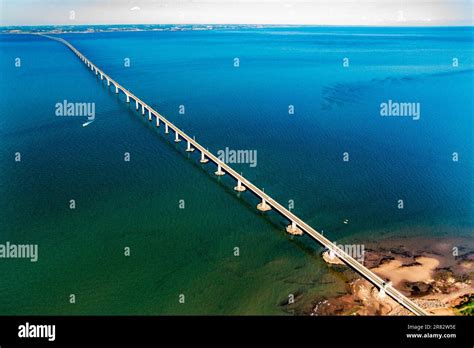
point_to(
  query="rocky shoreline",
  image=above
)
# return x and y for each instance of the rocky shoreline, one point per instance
(439, 278)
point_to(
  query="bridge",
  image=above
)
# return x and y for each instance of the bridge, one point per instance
(296, 225)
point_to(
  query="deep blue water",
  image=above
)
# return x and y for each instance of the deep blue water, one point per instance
(337, 110)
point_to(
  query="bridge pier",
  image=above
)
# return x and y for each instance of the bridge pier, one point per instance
(189, 148)
(166, 128)
(136, 104)
(149, 115)
(157, 121)
(128, 98)
(101, 76)
(176, 138)
(143, 109)
(263, 206)
(382, 293)
(332, 254)
(116, 89)
(96, 71)
(293, 229)
(203, 158)
(240, 187)
(108, 82)
(219, 172)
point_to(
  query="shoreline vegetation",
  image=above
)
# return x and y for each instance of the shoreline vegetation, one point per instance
(437, 277)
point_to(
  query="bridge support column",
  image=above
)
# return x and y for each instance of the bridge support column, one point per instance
(136, 104)
(240, 187)
(166, 128)
(263, 206)
(108, 82)
(219, 172)
(143, 109)
(293, 229)
(176, 137)
(332, 254)
(96, 71)
(189, 148)
(101, 76)
(149, 115)
(203, 158)
(157, 121)
(128, 98)
(381, 293)
(116, 89)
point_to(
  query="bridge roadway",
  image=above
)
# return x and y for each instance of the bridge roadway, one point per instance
(267, 201)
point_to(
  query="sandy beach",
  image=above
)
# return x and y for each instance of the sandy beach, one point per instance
(396, 271)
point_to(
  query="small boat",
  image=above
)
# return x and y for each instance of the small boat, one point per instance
(346, 221)
(87, 123)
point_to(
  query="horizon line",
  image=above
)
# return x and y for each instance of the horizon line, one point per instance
(249, 24)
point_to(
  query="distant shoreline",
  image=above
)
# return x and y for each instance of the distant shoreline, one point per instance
(104, 28)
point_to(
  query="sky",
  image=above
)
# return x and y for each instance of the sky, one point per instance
(304, 12)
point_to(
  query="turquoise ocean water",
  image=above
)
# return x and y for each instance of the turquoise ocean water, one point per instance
(299, 157)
